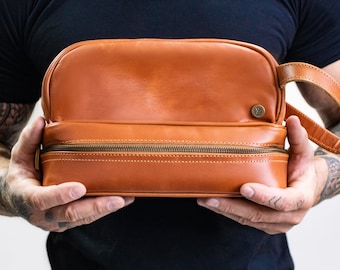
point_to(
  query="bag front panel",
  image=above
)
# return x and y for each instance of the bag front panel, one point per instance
(159, 80)
(164, 160)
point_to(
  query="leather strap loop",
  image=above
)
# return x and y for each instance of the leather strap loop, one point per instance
(316, 133)
(303, 72)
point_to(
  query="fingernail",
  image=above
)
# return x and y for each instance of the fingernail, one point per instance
(247, 192)
(115, 203)
(129, 200)
(111, 206)
(78, 192)
(214, 203)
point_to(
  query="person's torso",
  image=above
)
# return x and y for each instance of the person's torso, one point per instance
(158, 233)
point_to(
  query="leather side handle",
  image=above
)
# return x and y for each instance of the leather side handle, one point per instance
(303, 72)
(316, 133)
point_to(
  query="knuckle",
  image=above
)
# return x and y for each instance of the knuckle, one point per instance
(98, 207)
(262, 200)
(243, 221)
(227, 206)
(72, 214)
(281, 204)
(89, 220)
(226, 209)
(256, 217)
(38, 202)
(292, 205)
(284, 206)
(61, 197)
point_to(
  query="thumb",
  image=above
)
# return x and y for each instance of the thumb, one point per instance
(28, 141)
(300, 152)
(297, 137)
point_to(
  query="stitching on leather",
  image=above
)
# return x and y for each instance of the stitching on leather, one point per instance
(172, 155)
(317, 69)
(162, 161)
(311, 79)
(164, 141)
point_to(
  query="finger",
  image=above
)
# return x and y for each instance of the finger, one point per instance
(241, 208)
(270, 228)
(43, 198)
(80, 213)
(247, 213)
(283, 200)
(88, 209)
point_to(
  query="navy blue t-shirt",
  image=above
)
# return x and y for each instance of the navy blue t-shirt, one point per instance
(161, 233)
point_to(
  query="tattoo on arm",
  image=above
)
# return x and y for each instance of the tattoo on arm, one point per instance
(13, 117)
(3, 191)
(13, 204)
(332, 186)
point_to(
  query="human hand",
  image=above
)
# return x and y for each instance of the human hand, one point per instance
(275, 210)
(53, 208)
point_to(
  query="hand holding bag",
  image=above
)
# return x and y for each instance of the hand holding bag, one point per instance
(168, 118)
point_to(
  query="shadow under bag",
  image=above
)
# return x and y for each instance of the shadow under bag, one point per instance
(171, 117)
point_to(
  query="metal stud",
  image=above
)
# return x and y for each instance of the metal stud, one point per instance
(258, 111)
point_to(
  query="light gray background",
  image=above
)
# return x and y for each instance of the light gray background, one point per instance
(313, 243)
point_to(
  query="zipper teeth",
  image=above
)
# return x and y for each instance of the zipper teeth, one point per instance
(157, 148)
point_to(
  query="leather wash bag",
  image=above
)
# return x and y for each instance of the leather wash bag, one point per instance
(165, 118)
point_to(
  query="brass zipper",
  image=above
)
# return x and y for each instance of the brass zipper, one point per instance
(158, 148)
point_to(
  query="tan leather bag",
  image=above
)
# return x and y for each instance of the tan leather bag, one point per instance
(177, 118)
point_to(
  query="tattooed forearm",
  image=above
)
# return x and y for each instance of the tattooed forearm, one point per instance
(12, 205)
(13, 117)
(332, 186)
